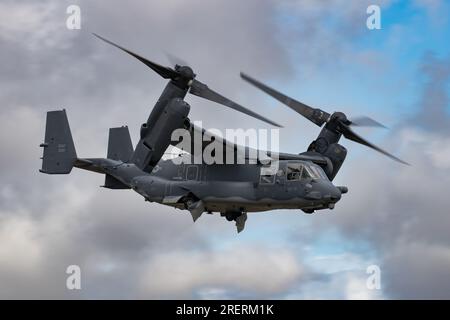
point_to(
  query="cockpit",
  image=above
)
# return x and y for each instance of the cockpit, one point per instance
(292, 171)
(300, 171)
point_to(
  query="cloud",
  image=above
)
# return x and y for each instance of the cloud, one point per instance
(20, 235)
(30, 25)
(418, 270)
(435, 10)
(402, 210)
(237, 272)
(127, 249)
(433, 105)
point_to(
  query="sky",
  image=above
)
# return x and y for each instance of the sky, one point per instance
(319, 52)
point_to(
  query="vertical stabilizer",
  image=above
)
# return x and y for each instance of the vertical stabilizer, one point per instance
(59, 150)
(120, 146)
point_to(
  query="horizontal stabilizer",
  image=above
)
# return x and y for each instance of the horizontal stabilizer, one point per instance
(113, 183)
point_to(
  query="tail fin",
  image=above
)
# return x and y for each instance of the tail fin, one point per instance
(120, 148)
(59, 150)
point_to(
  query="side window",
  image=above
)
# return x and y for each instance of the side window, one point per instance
(294, 171)
(267, 175)
(191, 173)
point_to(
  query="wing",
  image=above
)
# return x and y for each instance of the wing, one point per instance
(199, 139)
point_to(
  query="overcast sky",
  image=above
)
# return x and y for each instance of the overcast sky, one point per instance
(319, 52)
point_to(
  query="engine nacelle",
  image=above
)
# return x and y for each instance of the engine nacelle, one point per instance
(336, 153)
(327, 145)
(156, 135)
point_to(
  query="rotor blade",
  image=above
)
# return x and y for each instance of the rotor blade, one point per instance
(366, 122)
(351, 135)
(317, 116)
(201, 90)
(165, 72)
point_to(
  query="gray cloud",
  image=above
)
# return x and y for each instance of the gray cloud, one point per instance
(236, 272)
(402, 211)
(434, 102)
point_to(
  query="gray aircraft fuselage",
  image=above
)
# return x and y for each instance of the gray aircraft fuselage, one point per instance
(225, 188)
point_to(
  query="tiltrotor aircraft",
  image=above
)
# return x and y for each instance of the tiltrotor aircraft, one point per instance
(300, 181)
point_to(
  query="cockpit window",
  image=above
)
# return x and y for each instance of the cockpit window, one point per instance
(306, 173)
(318, 171)
(301, 171)
(294, 171)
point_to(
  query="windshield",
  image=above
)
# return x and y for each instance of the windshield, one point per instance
(318, 171)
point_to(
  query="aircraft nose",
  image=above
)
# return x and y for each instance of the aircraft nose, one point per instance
(336, 194)
(332, 192)
(325, 191)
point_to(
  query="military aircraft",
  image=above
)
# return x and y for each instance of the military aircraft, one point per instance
(298, 181)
